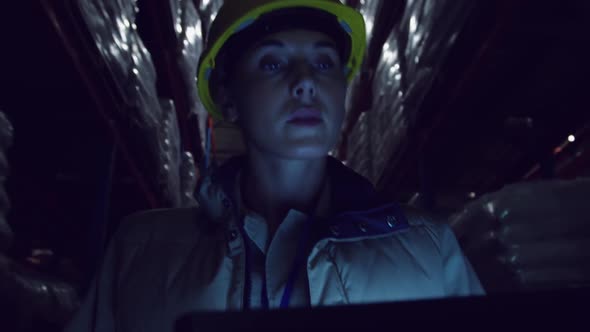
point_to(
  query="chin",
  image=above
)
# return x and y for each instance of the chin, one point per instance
(306, 152)
(294, 148)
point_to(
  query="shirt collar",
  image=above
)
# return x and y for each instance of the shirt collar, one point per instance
(255, 225)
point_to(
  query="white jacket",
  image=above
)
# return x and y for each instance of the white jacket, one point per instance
(165, 263)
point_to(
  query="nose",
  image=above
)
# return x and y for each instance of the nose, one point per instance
(304, 89)
(304, 86)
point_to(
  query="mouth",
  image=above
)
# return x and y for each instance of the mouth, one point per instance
(305, 116)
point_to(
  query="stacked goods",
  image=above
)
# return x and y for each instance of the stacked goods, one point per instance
(171, 155)
(207, 11)
(6, 140)
(359, 148)
(529, 235)
(410, 60)
(189, 45)
(388, 118)
(28, 295)
(188, 28)
(149, 131)
(369, 10)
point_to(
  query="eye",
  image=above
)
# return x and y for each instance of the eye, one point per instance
(324, 63)
(271, 64)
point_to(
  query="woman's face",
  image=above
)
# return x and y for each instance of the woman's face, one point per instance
(289, 91)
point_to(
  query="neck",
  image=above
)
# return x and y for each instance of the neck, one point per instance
(272, 186)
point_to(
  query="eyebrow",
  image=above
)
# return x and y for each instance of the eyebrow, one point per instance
(278, 43)
(325, 44)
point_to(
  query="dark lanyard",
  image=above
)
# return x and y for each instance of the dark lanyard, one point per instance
(300, 258)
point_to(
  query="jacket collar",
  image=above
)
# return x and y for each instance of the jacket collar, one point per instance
(356, 211)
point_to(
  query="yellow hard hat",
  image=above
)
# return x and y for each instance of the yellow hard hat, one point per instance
(234, 16)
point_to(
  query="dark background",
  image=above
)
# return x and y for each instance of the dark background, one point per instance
(512, 89)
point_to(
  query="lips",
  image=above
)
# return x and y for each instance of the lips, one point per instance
(305, 114)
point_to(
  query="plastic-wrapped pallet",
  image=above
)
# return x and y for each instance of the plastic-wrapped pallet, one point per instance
(352, 94)
(410, 59)
(429, 29)
(150, 131)
(359, 148)
(27, 294)
(207, 11)
(6, 140)
(388, 116)
(171, 154)
(369, 9)
(188, 28)
(529, 235)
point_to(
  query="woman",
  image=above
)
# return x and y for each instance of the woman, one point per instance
(285, 225)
